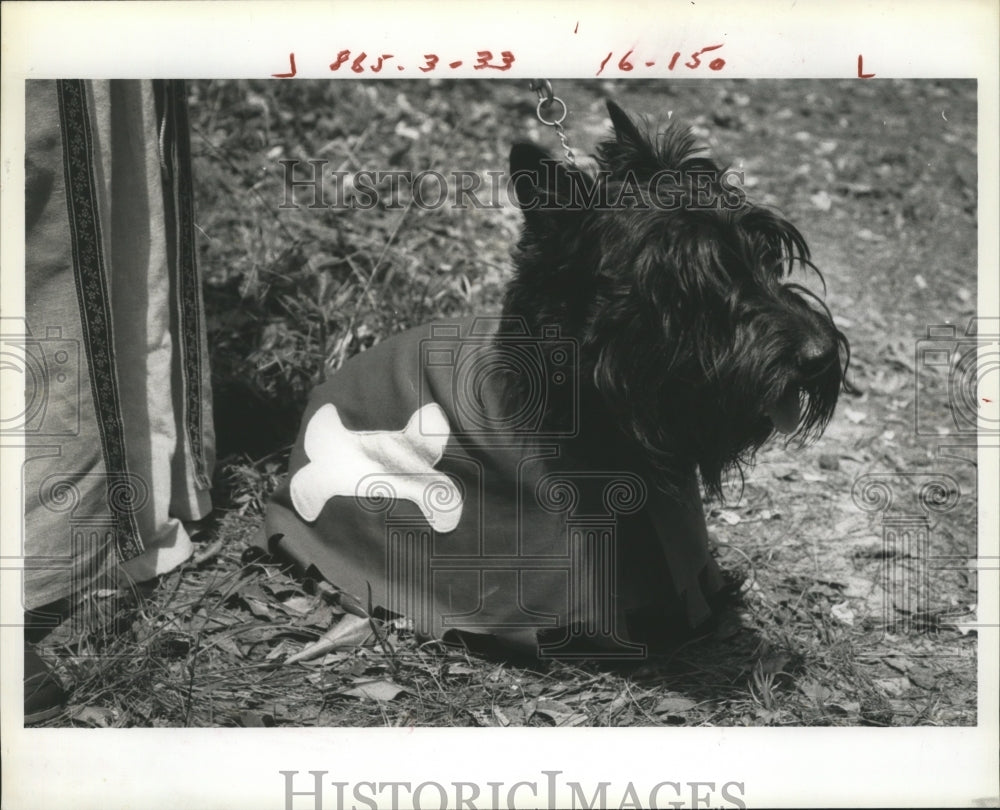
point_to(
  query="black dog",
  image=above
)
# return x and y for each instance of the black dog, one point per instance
(692, 341)
(534, 479)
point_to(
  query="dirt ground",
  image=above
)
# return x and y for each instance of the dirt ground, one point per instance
(860, 550)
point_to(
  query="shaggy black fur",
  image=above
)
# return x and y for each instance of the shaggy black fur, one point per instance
(692, 340)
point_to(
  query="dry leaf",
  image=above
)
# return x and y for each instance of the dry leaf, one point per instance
(380, 690)
(922, 676)
(321, 616)
(842, 613)
(407, 132)
(280, 650)
(95, 716)
(674, 705)
(856, 417)
(728, 517)
(227, 644)
(849, 708)
(617, 704)
(209, 553)
(893, 686)
(559, 713)
(259, 609)
(822, 201)
(898, 662)
(819, 693)
(299, 604)
(350, 632)
(510, 716)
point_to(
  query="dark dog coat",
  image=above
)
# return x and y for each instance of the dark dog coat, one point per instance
(412, 478)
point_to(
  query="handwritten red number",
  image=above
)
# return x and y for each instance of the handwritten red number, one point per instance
(623, 63)
(673, 60)
(292, 71)
(432, 60)
(356, 65)
(483, 62)
(342, 57)
(378, 65)
(696, 56)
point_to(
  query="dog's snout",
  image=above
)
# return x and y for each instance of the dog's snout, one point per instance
(816, 354)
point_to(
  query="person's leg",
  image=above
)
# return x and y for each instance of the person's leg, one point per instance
(118, 430)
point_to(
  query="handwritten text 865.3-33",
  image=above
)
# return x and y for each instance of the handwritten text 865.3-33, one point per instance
(361, 62)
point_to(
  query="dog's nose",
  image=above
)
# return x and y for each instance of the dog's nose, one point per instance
(815, 355)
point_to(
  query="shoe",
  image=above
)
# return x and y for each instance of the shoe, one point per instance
(44, 695)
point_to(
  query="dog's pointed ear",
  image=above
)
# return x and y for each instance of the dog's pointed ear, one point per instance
(631, 150)
(528, 164)
(540, 180)
(625, 128)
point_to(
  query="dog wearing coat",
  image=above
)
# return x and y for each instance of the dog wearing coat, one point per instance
(532, 480)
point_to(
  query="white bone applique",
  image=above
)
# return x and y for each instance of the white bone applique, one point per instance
(352, 463)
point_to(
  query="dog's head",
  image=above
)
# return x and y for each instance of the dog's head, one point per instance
(677, 289)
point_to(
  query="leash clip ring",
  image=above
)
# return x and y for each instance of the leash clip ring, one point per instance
(543, 88)
(557, 119)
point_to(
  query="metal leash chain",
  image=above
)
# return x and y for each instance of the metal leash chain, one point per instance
(546, 98)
